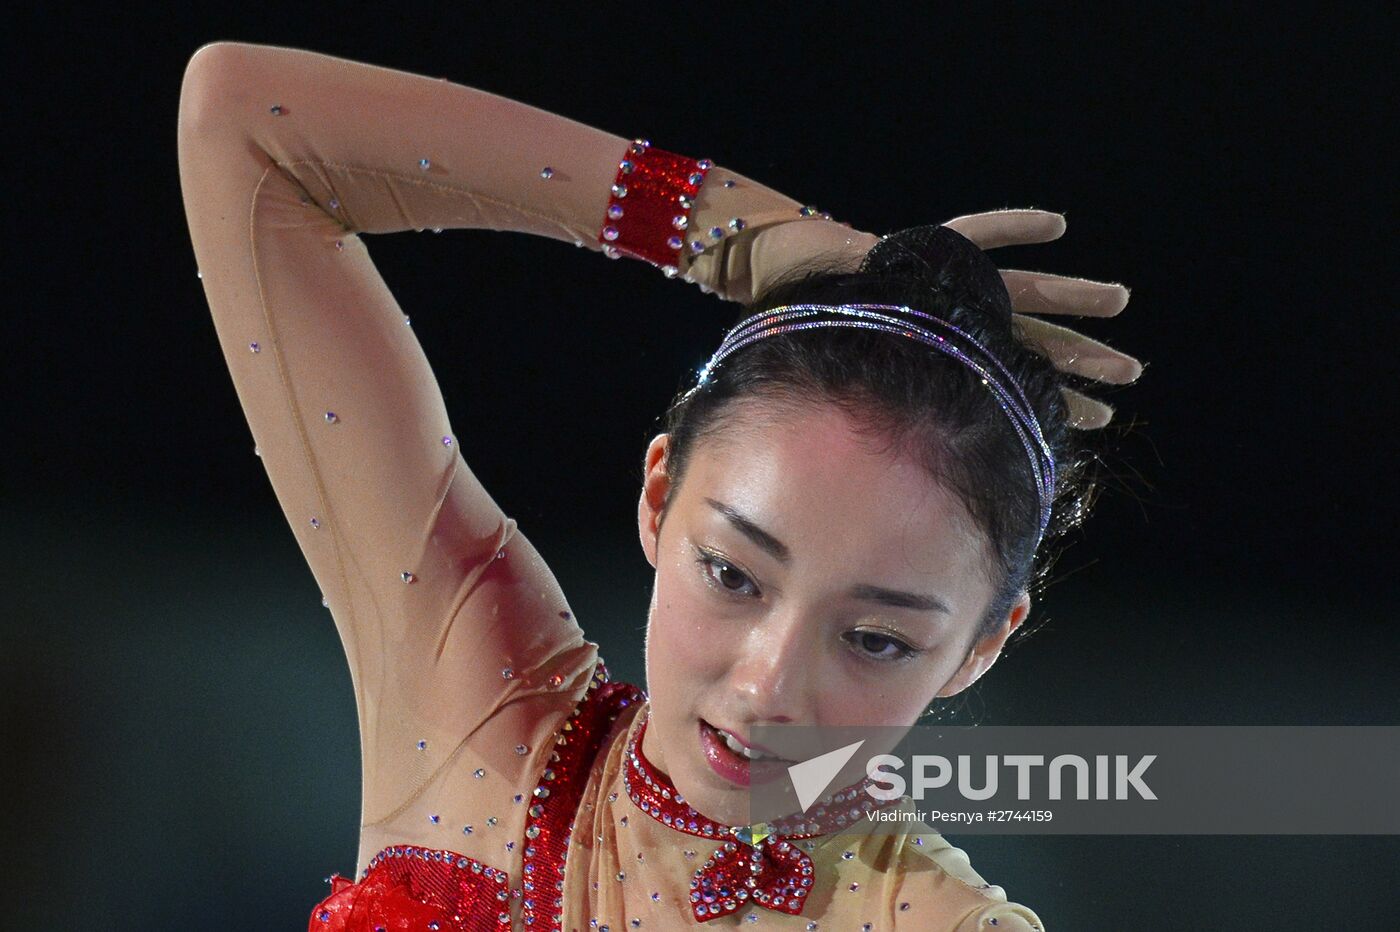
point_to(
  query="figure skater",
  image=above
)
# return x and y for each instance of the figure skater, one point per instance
(844, 512)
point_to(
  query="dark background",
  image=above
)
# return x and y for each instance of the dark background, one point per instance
(179, 734)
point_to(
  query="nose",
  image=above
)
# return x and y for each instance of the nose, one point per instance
(773, 669)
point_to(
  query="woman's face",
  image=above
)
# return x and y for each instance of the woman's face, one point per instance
(802, 576)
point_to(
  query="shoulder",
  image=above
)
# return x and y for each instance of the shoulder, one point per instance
(987, 905)
(1003, 917)
(1000, 915)
(930, 884)
(929, 845)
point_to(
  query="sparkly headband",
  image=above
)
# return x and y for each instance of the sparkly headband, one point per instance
(989, 369)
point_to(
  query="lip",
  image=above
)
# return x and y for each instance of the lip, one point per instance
(749, 745)
(733, 767)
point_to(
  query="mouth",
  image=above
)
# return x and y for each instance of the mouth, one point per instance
(740, 746)
(737, 762)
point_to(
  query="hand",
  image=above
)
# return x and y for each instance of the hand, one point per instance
(831, 245)
(1042, 293)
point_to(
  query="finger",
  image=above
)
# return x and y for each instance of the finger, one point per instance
(1073, 352)
(1043, 293)
(1009, 227)
(1086, 413)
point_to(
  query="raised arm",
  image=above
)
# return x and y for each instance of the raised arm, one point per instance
(456, 633)
(286, 156)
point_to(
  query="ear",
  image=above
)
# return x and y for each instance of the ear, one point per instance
(986, 651)
(656, 484)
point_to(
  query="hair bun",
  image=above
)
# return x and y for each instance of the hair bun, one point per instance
(945, 261)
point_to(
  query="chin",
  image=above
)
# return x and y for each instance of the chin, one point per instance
(697, 780)
(728, 807)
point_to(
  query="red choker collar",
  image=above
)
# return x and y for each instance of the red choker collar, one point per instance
(759, 863)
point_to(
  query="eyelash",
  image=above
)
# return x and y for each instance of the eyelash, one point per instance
(709, 561)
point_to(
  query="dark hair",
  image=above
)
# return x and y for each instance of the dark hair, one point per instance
(925, 404)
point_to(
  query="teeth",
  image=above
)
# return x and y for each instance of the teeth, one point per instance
(737, 747)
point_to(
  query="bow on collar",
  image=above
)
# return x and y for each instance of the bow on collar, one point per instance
(773, 873)
(756, 865)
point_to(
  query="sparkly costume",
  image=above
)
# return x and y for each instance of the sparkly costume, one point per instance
(493, 755)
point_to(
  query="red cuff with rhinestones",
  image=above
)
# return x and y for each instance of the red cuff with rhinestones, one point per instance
(649, 208)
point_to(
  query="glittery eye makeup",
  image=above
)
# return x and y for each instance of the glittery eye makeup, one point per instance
(873, 645)
(880, 646)
(719, 573)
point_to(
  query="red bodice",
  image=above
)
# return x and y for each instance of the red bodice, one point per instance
(408, 887)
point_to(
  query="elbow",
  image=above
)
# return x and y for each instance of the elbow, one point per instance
(216, 81)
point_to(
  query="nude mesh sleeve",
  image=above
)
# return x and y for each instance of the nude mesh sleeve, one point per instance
(286, 158)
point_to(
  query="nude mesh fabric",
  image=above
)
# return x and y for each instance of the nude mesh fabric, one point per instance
(277, 204)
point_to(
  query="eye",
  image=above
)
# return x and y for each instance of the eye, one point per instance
(877, 646)
(722, 575)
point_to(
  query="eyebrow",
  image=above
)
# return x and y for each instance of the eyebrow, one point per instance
(862, 591)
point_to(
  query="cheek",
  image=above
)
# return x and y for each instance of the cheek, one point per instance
(896, 696)
(685, 639)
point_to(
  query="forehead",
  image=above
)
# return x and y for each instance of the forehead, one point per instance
(807, 475)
